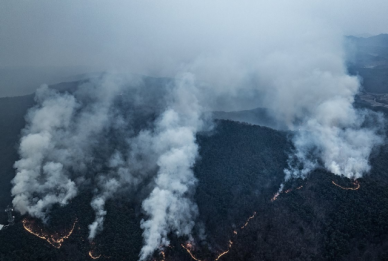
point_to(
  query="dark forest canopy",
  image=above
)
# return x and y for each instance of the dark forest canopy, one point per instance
(240, 169)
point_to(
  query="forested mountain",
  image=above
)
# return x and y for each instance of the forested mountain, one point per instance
(240, 168)
(12, 111)
(368, 58)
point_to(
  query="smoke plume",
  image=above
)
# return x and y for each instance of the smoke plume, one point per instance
(43, 177)
(103, 133)
(58, 145)
(118, 133)
(169, 205)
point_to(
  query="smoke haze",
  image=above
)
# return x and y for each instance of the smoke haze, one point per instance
(104, 133)
(156, 38)
(122, 132)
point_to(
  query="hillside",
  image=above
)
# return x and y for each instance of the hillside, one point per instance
(239, 170)
(318, 221)
(368, 58)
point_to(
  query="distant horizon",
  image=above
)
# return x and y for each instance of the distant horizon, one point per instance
(12, 84)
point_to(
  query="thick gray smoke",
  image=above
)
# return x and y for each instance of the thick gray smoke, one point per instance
(169, 205)
(108, 188)
(306, 88)
(57, 145)
(120, 133)
(43, 177)
(102, 133)
(343, 145)
(315, 99)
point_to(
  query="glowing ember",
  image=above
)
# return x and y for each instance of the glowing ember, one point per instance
(93, 257)
(225, 252)
(246, 223)
(275, 197)
(56, 240)
(188, 247)
(163, 255)
(355, 183)
(288, 190)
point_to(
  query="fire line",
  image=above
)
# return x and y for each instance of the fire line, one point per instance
(55, 240)
(188, 245)
(189, 251)
(93, 257)
(356, 183)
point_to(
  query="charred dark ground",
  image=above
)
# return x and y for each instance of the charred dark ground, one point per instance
(239, 170)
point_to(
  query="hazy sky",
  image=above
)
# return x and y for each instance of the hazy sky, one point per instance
(157, 37)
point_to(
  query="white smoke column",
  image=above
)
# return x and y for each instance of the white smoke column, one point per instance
(169, 207)
(119, 177)
(296, 69)
(57, 144)
(314, 98)
(40, 171)
(302, 79)
(343, 147)
(98, 205)
(124, 169)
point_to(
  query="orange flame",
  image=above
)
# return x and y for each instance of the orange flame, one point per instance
(355, 183)
(275, 197)
(246, 223)
(187, 247)
(55, 240)
(163, 255)
(93, 257)
(225, 252)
